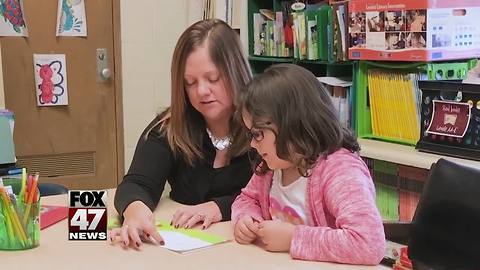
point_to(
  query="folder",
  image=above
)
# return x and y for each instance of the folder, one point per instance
(7, 150)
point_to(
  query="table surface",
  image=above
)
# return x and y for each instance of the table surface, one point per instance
(57, 252)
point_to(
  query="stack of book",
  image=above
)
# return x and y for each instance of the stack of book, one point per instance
(315, 32)
(340, 92)
(395, 105)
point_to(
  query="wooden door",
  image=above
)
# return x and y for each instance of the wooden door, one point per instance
(74, 145)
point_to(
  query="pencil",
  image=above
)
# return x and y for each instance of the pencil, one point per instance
(31, 194)
(12, 219)
(24, 186)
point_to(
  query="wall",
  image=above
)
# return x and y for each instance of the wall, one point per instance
(150, 29)
(2, 96)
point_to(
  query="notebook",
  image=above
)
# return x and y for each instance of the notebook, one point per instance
(51, 214)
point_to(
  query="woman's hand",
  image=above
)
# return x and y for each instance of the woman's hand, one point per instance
(276, 235)
(246, 230)
(205, 213)
(138, 225)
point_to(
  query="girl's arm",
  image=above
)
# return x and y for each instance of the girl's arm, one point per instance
(349, 196)
(248, 202)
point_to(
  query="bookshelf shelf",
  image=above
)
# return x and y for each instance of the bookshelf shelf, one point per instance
(318, 62)
(405, 155)
(270, 59)
(273, 59)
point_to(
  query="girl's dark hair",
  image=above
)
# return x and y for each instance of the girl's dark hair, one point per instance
(308, 126)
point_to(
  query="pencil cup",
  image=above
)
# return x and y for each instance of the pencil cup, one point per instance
(19, 224)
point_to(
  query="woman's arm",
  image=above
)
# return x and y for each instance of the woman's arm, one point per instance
(151, 165)
(224, 203)
(237, 176)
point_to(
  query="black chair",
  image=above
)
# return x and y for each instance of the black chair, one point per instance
(48, 189)
(445, 231)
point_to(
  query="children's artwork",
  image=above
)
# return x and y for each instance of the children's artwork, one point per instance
(50, 79)
(13, 23)
(71, 19)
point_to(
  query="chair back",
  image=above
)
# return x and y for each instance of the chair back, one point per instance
(48, 189)
(445, 231)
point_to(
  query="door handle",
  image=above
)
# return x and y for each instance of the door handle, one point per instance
(104, 73)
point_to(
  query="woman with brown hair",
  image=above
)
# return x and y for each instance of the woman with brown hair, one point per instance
(195, 144)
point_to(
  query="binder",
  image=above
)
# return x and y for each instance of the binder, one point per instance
(324, 30)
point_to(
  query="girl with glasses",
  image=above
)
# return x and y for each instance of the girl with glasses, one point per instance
(311, 194)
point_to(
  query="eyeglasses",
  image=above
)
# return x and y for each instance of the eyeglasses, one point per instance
(256, 134)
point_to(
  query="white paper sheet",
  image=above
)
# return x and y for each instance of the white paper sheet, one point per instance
(180, 242)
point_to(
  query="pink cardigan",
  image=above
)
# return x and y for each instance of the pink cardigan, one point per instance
(340, 200)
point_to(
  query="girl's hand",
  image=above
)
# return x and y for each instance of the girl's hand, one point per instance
(205, 213)
(276, 235)
(138, 225)
(245, 230)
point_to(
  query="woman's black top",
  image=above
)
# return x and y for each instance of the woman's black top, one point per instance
(153, 164)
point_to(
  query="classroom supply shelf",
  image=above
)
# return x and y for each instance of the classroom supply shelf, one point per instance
(405, 155)
(453, 70)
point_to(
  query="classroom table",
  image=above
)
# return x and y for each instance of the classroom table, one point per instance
(57, 252)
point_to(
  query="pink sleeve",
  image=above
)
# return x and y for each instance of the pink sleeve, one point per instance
(348, 195)
(248, 202)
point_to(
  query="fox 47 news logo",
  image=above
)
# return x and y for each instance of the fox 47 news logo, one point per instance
(87, 215)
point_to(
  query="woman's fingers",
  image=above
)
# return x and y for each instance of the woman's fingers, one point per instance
(133, 233)
(177, 217)
(153, 236)
(207, 221)
(194, 220)
(113, 234)
(124, 235)
(174, 218)
(182, 220)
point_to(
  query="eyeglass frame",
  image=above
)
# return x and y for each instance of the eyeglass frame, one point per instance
(255, 134)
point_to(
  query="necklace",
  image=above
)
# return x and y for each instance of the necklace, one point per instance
(220, 143)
